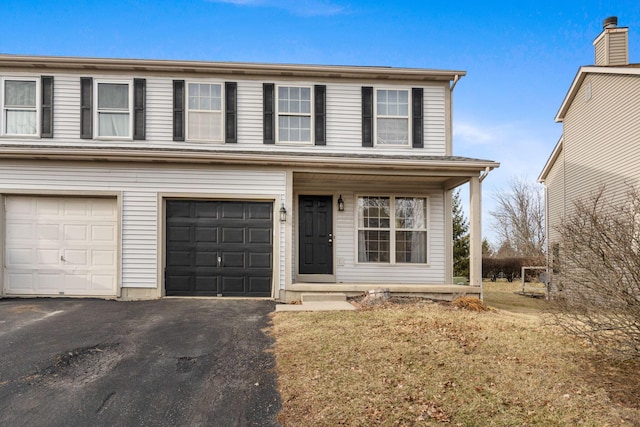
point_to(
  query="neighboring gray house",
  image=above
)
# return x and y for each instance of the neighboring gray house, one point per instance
(138, 179)
(600, 118)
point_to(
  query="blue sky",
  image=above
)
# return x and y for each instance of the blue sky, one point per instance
(520, 57)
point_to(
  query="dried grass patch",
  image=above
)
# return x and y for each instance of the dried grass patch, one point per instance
(470, 303)
(426, 364)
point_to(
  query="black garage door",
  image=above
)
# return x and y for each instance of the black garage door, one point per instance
(219, 248)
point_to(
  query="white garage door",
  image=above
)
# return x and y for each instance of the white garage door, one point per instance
(61, 246)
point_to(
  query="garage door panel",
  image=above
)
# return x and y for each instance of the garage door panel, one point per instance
(260, 284)
(179, 234)
(103, 233)
(48, 232)
(232, 235)
(233, 260)
(206, 258)
(260, 235)
(61, 246)
(260, 211)
(19, 257)
(74, 258)
(232, 224)
(103, 258)
(206, 234)
(20, 232)
(48, 206)
(259, 260)
(47, 257)
(178, 258)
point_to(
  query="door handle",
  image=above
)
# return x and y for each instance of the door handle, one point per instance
(219, 261)
(330, 241)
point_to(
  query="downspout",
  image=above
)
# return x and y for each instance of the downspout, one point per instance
(480, 179)
(455, 81)
(485, 173)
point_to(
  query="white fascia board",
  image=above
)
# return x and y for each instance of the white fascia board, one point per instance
(551, 160)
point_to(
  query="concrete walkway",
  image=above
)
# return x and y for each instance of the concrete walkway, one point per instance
(319, 302)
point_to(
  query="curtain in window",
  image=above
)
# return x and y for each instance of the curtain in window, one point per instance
(20, 122)
(113, 124)
(393, 131)
(20, 107)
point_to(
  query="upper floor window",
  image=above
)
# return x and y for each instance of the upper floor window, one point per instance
(114, 106)
(20, 106)
(392, 117)
(294, 114)
(205, 116)
(392, 230)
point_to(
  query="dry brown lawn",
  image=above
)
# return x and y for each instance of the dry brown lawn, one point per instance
(429, 363)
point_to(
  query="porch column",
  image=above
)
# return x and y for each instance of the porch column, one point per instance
(475, 232)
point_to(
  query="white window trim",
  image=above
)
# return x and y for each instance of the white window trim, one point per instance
(96, 121)
(188, 110)
(375, 117)
(392, 230)
(311, 115)
(3, 124)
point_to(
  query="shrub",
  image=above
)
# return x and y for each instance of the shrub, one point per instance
(599, 273)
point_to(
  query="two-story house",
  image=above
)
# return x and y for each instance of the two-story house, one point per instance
(600, 118)
(138, 179)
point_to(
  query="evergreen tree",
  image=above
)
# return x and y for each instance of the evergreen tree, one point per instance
(460, 238)
(487, 250)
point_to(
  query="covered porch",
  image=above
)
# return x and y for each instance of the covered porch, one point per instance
(350, 229)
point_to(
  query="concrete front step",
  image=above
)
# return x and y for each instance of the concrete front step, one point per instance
(320, 297)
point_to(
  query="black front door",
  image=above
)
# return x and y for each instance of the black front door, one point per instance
(315, 231)
(219, 248)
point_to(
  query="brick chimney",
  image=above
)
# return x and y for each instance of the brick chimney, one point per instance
(612, 45)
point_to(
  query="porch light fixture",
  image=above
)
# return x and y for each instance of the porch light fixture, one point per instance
(340, 203)
(283, 213)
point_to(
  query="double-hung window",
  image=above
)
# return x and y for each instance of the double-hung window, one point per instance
(392, 230)
(294, 114)
(392, 117)
(20, 107)
(113, 112)
(205, 116)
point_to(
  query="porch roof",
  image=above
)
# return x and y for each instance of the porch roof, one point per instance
(443, 167)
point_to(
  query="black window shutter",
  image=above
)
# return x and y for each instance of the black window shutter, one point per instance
(268, 97)
(231, 112)
(417, 117)
(139, 103)
(320, 124)
(86, 104)
(178, 110)
(367, 117)
(46, 124)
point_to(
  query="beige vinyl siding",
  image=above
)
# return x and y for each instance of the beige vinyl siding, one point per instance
(159, 111)
(139, 239)
(601, 138)
(250, 113)
(66, 108)
(434, 121)
(343, 116)
(346, 228)
(618, 49)
(601, 51)
(139, 186)
(555, 199)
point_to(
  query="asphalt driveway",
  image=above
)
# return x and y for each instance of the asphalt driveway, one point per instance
(172, 362)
